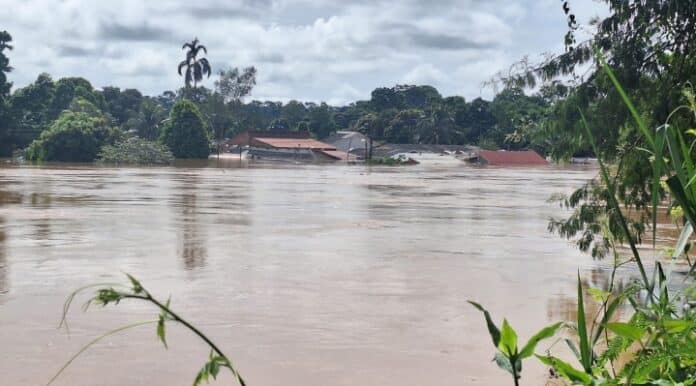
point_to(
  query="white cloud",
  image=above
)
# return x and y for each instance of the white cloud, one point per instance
(315, 50)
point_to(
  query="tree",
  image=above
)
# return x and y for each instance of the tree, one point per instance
(186, 133)
(293, 113)
(479, 119)
(234, 85)
(371, 126)
(386, 98)
(194, 68)
(76, 136)
(30, 111)
(67, 89)
(647, 43)
(5, 86)
(321, 122)
(147, 121)
(122, 105)
(437, 126)
(404, 127)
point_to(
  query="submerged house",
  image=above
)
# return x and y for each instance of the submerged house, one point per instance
(284, 145)
(510, 158)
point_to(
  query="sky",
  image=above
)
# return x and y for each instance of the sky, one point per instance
(309, 50)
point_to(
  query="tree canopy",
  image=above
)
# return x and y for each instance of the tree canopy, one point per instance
(186, 133)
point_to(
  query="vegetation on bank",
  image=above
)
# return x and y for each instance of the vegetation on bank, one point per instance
(76, 135)
(136, 150)
(391, 161)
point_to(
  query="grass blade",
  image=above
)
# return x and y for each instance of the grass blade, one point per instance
(585, 348)
(93, 342)
(492, 328)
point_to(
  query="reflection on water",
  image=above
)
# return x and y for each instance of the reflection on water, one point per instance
(193, 242)
(312, 275)
(564, 306)
(3, 259)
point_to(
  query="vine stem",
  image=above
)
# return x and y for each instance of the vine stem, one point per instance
(149, 298)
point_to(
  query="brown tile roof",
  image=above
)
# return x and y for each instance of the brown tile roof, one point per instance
(529, 157)
(336, 154)
(294, 143)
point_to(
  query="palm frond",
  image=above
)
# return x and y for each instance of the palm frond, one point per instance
(205, 66)
(182, 65)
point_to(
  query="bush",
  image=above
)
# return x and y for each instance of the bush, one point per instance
(186, 134)
(136, 150)
(73, 137)
(392, 161)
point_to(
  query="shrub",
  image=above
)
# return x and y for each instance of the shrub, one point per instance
(136, 150)
(185, 134)
(73, 137)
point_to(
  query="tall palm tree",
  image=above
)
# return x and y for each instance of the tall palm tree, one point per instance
(195, 68)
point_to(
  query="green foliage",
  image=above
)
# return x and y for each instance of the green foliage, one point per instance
(508, 356)
(76, 136)
(234, 84)
(186, 133)
(659, 338)
(135, 150)
(390, 161)
(5, 86)
(113, 294)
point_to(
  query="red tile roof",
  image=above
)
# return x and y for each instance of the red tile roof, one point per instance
(529, 157)
(294, 143)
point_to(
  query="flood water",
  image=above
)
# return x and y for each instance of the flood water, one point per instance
(304, 275)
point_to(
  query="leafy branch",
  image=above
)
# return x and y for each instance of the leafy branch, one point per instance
(110, 294)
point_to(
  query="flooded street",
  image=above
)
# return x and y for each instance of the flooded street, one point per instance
(309, 275)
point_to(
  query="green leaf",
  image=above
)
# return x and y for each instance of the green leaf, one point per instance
(599, 295)
(547, 332)
(503, 362)
(566, 370)
(658, 165)
(573, 348)
(492, 328)
(585, 347)
(683, 240)
(681, 197)
(676, 325)
(161, 332)
(626, 330)
(137, 287)
(508, 340)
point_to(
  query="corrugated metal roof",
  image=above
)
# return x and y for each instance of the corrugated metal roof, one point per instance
(294, 143)
(529, 157)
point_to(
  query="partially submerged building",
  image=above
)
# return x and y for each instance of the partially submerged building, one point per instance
(510, 158)
(283, 145)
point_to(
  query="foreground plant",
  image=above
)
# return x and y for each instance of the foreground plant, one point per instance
(657, 344)
(509, 355)
(113, 294)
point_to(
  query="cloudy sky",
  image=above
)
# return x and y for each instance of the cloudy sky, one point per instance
(334, 51)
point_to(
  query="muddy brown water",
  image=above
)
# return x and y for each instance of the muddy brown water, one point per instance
(305, 275)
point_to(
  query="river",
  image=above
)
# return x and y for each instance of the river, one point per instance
(304, 275)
